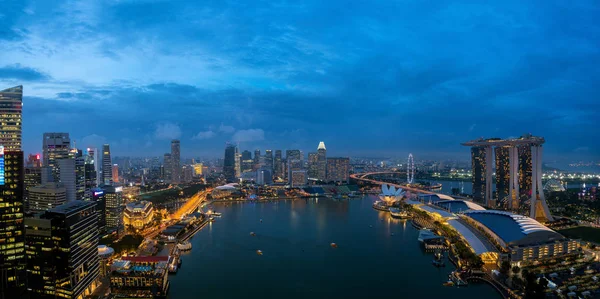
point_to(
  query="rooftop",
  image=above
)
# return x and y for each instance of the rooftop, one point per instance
(457, 206)
(73, 206)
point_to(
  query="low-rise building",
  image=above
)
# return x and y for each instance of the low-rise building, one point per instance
(138, 214)
(140, 277)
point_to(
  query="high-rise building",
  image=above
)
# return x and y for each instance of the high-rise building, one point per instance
(67, 176)
(113, 197)
(11, 107)
(100, 200)
(90, 177)
(246, 161)
(321, 162)
(12, 237)
(47, 196)
(525, 169)
(238, 163)
(188, 173)
(167, 167)
(338, 170)
(62, 251)
(229, 162)
(175, 161)
(298, 178)
(56, 146)
(256, 165)
(33, 177)
(293, 165)
(313, 165)
(502, 173)
(115, 173)
(264, 176)
(79, 175)
(277, 164)
(478, 173)
(93, 153)
(293, 155)
(268, 160)
(106, 165)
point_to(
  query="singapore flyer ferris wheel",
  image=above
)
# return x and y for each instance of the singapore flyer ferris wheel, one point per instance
(410, 169)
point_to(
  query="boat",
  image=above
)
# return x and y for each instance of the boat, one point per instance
(381, 206)
(211, 219)
(216, 214)
(448, 283)
(259, 252)
(438, 260)
(184, 246)
(398, 213)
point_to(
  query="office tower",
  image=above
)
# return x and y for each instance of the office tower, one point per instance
(67, 176)
(277, 164)
(502, 173)
(12, 238)
(298, 178)
(246, 160)
(100, 200)
(238, 163)
(198, 171)
(322, 162)
(33, 177)
(79, 175)
(106, 165)
(115, 173)
(11, 107)
(229, 162)
(113, 197)
(264, 176)
(47, 196)
(293, 165)
(268, 160)
(293, 155)
(56, 146)
(313, 165)
(479, 169)
(188, 173)
(256, 164)
(90, 177)
(167, 167)
(175, 161)
(338, 170)
(93, 153)
(62, 251)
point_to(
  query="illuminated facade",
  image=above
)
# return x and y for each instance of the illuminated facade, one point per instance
(11, 107)
(187, 172)
(62, 251)
(313, 164)
(115, 173)
(33, 177)
(293, 165)
(12, 238)
(106, 165)
(298, 178)
(140, 277)
(502, 172)
(278, 164)
(268, 161)
(338, 170)
(90, 177)
(138, 214)
(47, 196)
(167, 167)
(229, 162)
(321, 162)
(478, 172)
(56, 146)
(114, 207)
(197, 169)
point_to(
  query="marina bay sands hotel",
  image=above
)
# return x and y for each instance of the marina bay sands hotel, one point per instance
(518, 164)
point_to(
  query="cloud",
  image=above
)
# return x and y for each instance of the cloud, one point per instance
(226, 129)
(249, 135)
(167, 131)
(18, 72)
(204, 135)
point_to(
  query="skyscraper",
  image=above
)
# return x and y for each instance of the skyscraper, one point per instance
(338, 170)
(246, 161)
(313, 165)
(62, 251)
(115, 173)
(167, 167)
(90, 177)
(268, 160)
(502, 172)
(79, 175)
(12, 237)
(113, 197)
(106, 165)
(321, 162)
(56, 146)
(93, 153)
(229, 162)
(293, 155)
(175, 161)
(478, 173)
(33, 177)
(11, 107)
(238, 163)
(277, 164)
(256, 165)
(47, 196)
(294, 165)
(67, 176)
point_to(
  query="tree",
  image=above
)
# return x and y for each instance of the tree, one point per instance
(505, 267)
(516, 269)
(533, 288)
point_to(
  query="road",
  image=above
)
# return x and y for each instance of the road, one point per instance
(191, 205)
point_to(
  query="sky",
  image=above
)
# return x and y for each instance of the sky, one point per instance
(369, 78)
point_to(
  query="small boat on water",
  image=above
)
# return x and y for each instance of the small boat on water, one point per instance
(381, 206)
(398, 213)
(438, 260)
(216, 214)
(184, 246)
(259, 252)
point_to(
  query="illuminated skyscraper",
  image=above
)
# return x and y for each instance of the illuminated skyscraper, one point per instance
(269, 160)
(277, 164)
(47, 196)
(238, 163)
(338, 170)
(79, 175)
(90, 177)
(294, 165)
(525, 169)
(56, 146)
(256, 165)
(229, 162)
(106, 165)
(293, 155)
(113, 197)
(11, 107)
(115, 173)
(95, 159)
(33, 176)
(502, 172)
(62, 251)
(246, 161)
(313, 165)
(321, 162)
(175, 161)
(167, 167)
(478, 173)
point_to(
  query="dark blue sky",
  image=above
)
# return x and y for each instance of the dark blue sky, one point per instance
(366, 77)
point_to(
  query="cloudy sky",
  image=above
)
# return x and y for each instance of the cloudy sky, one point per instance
(367, 77)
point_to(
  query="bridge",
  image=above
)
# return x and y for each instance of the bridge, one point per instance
(499, 287)
(363, 177)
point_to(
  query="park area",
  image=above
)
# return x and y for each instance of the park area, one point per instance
(589, 234)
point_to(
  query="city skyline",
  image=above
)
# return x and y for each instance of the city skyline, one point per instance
(343, 77)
